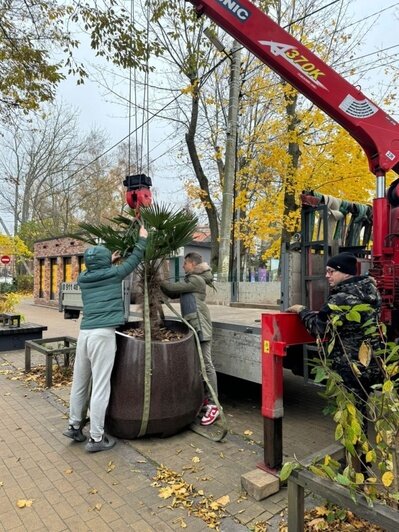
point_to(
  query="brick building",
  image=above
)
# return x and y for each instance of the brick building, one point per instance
(55, 260)
(60, 259)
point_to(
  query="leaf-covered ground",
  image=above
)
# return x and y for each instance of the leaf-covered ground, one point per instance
(37, 376)
(180, 494)
(333, 519)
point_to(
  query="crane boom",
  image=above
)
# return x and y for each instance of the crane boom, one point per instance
(370, 126)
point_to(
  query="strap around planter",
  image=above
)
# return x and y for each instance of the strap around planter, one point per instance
(147, 361)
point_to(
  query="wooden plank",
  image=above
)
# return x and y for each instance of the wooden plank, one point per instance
(41, 341)
(296, 507)
(378, 514)
(273, 442)
(335, 450)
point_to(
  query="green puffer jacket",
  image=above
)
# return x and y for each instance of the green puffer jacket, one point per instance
(101, 286)
(196, 312)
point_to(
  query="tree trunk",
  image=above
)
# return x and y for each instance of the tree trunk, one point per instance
(290, 204)
(206, 199)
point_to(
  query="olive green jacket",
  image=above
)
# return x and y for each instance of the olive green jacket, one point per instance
(193, 309)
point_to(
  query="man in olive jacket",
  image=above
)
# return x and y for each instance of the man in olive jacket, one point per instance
(103, 311)
(192, 293)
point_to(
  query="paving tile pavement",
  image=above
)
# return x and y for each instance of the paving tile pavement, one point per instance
(74, 490)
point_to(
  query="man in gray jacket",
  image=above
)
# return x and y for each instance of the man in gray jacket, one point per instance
(101, 287)
(192, 293)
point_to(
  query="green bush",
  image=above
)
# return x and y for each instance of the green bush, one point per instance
(6, 288)
(24, 283)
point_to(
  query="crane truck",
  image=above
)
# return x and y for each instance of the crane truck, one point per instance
(375, 131)
(378, 135)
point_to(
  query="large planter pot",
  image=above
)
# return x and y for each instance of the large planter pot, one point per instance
(176, 385)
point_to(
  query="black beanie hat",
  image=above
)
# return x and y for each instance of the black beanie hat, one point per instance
(344, 262)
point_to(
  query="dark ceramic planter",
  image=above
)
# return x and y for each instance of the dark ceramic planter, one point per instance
(176, 387)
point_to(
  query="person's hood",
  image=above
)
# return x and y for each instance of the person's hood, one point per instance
(97, 257)
(205, 271)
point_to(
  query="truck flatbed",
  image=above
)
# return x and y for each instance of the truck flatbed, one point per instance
(236, 349)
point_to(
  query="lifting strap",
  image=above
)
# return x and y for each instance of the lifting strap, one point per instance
(212, 432)
(147, 360)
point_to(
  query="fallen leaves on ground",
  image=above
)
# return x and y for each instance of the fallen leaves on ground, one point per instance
(110, 466)
(171, 485)
(37, 376)
(181, 522)
(24, 503)
(260, 526)
(97, 507)
(318, 519)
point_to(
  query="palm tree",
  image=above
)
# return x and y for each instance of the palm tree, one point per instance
(168, 230)
(130, 413)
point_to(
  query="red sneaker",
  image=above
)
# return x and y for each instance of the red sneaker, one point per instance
(211, 415)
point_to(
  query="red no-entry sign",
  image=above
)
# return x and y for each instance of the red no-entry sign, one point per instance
(5, 259)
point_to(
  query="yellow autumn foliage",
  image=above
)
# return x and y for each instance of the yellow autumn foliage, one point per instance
(13, 245)
(331, 163)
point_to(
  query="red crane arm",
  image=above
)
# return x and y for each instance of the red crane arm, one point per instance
(370, 126)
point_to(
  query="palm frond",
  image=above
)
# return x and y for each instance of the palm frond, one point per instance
(168, 230)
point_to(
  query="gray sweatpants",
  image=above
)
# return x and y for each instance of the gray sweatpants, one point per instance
(210, 369)
(94, 359)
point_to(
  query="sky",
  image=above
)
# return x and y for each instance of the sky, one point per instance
(97, 109)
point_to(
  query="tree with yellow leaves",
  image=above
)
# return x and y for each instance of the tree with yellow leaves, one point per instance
(331, 163)
(14, 246)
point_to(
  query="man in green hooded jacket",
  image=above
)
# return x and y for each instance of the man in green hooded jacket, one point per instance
(103, 311)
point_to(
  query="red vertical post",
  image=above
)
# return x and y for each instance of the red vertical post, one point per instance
(272, 403)
(279, 330)
(380, 226)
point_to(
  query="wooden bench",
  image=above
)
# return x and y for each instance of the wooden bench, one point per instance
(10, 320)
(12, 338)
(44, 346)
(301, 480)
